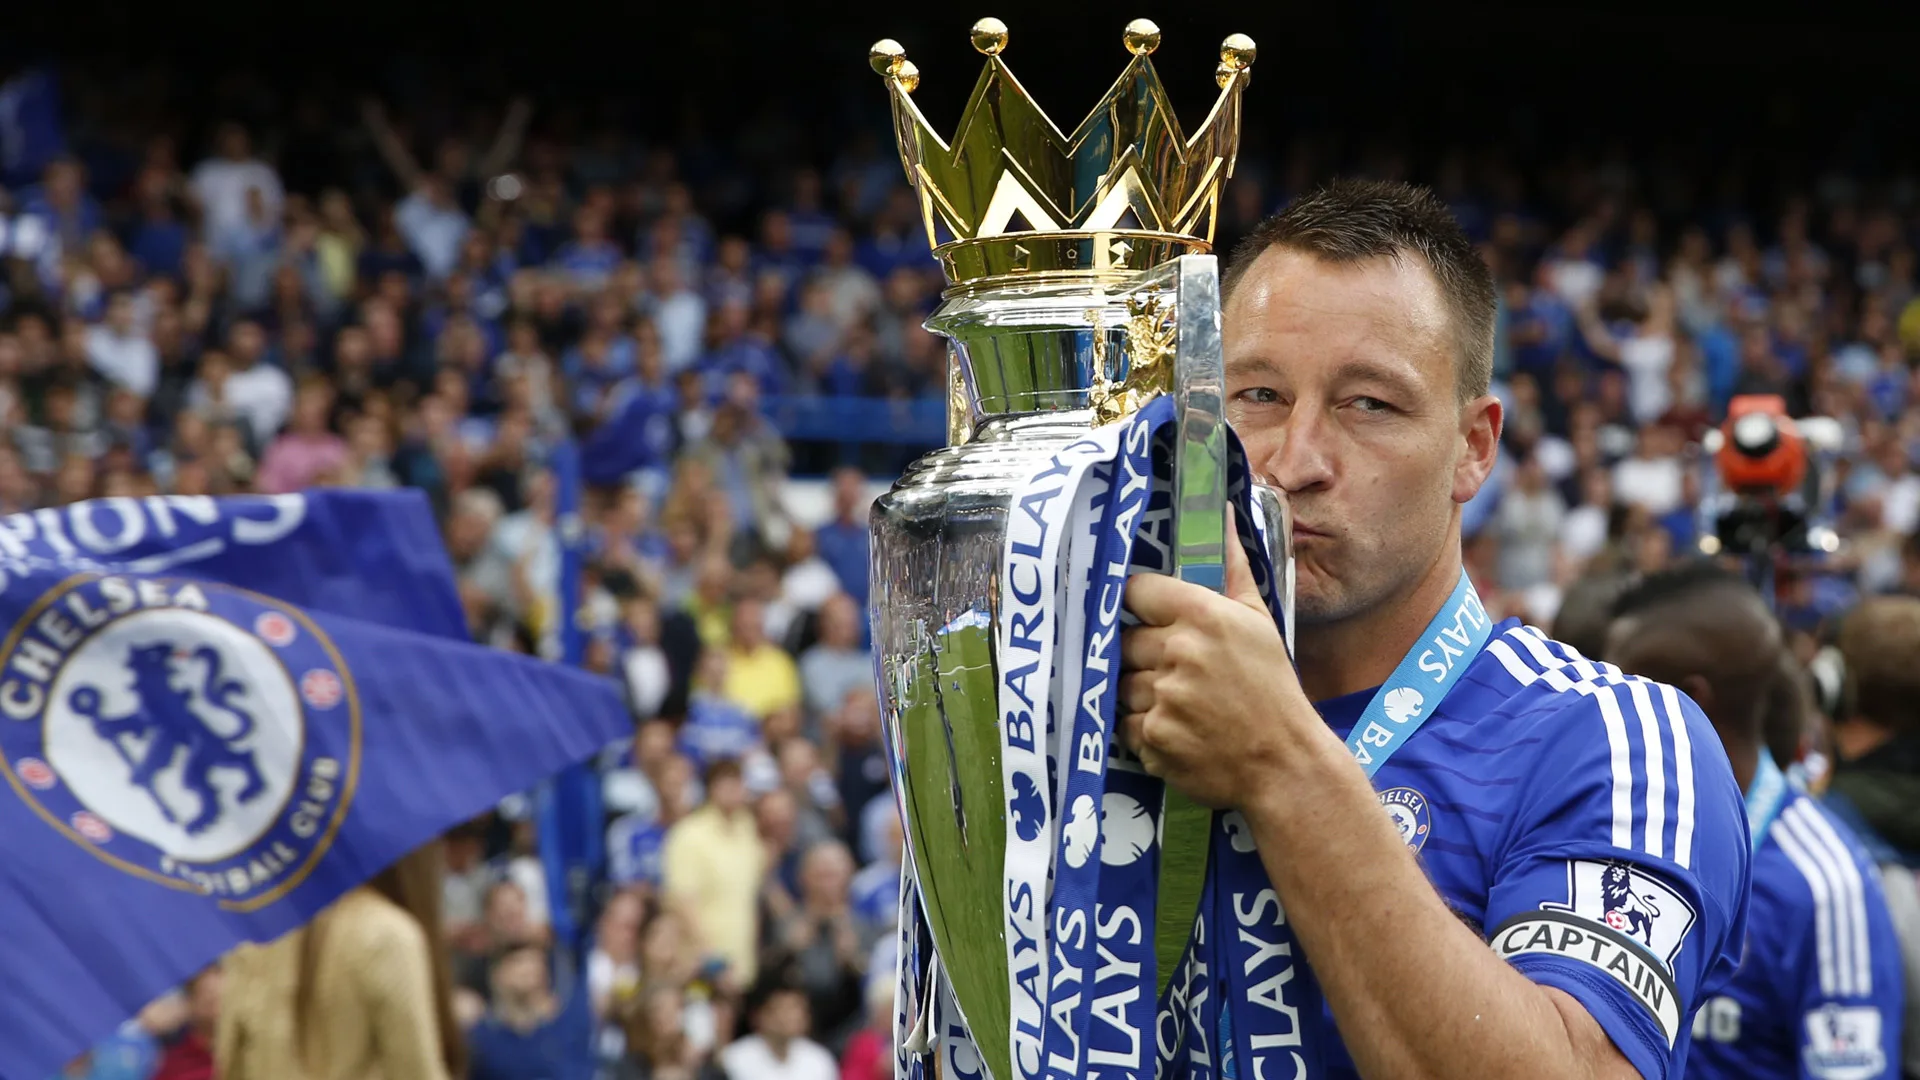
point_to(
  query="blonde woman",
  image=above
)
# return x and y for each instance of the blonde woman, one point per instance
(363, 992)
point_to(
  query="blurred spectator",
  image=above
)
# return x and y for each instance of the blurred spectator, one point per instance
(844, 541)
(779, 1048)
(1530, 520)
(463, 903)
(505, 924)
(657, 1044)
(677, 312)
(761, 676)
(529, 1032)
(835, 664)
(823, 940)
(860, 753)
(875, 891)
(613, 966)
(748, 461)
(869, 1052)
(121, 352)
(189, 1053)
(363, 990)
(225, 184)
(1876, 768)
(714, 864)
(305, 453)
(816, 800)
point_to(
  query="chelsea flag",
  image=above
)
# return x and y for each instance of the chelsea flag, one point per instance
(217, 716)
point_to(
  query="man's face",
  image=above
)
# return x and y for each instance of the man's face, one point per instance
(1340, 383)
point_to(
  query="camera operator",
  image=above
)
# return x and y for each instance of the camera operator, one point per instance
(1876, 765)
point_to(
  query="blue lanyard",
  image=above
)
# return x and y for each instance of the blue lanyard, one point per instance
(1765, 796)
(1424, 677)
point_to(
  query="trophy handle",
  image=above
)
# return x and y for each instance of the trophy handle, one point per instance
(1200, 454)
(1201, 537)
(1199, 556)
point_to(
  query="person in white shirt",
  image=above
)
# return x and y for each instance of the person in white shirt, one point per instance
(679, 314)
(1529, 520)
(1583, 532)
(434, 225)
(1653, 477)
(258, 392)
(120, 353)
(1647, 353)
(779, 1048)
(220, 184)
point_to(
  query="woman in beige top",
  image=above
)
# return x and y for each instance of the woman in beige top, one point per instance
(364, 992)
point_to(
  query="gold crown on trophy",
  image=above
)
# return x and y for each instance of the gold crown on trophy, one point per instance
(1127, 190)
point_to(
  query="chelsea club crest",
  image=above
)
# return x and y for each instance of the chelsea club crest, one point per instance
(1410, 813)
(193, 734)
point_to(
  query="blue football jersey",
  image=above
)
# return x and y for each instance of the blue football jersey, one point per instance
(1819, 991)
(1587, 825)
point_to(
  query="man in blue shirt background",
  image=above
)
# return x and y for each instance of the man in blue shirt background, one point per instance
(1819, 992)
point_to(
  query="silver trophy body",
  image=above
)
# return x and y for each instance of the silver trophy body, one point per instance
(1110, 299)
(938, 538)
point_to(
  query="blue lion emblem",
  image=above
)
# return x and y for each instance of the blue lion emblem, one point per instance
(1029, 812)
(165, 718)
(1625, 910)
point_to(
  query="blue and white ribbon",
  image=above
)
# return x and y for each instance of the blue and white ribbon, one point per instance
(1037, 525)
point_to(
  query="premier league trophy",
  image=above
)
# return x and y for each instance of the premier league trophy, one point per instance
(1082, 291)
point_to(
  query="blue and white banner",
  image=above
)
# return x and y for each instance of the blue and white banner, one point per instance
(217, 716)
(1031, 576)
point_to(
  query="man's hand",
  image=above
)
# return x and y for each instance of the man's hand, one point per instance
(1209, 699)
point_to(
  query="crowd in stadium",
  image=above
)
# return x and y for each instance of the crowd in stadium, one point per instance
(407, 297)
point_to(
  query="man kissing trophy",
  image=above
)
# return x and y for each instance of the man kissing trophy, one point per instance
(1056, 912)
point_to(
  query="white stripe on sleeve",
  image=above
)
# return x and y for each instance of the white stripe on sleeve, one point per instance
(1656, 768)
(1786, 832)
(1682, 776)
(1848, 887)
(1622, 763)
(1834, 977)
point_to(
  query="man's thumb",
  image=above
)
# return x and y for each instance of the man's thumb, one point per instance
(1240, 583)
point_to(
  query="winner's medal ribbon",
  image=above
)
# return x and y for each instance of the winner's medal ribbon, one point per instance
(1271, 1031)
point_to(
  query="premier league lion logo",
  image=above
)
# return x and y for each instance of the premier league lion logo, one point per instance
(1625, 910)
(1632, 901)
(191, 734)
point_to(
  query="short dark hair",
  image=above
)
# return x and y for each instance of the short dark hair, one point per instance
(1350, 221)
(1681, 583)
(723, 769)
(1587, 610)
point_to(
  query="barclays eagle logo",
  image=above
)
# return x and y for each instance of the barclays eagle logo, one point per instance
(1029, 810)
(1403, 704)
(1082, 829)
